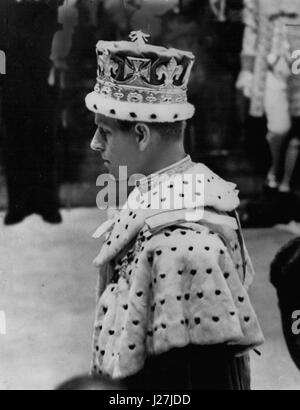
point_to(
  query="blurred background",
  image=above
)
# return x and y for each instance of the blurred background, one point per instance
(221, 133)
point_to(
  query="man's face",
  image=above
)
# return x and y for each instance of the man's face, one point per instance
(117, 148)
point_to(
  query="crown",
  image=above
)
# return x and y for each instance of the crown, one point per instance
(136, 77)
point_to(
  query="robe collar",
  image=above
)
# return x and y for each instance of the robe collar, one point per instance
(184, 191)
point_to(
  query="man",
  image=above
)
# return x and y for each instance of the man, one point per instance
(173, 310)
(29, 109)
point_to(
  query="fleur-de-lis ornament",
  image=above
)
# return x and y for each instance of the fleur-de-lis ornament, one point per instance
(107, 66)
(139, 37)
(171, 71)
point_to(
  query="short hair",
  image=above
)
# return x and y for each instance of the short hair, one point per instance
(168, 130)
(285, 271)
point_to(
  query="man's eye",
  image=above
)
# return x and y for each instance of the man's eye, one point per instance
(104, 134)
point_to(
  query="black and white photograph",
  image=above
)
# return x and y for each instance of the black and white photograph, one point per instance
(149, 197)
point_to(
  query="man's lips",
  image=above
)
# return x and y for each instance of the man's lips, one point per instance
(105, 161)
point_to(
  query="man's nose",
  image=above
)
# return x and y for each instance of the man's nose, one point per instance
(96, 144)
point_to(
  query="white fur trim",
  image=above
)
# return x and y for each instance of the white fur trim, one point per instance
(138, 111)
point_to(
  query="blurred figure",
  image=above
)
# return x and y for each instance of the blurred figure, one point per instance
(29, 108)
(271, 35)
(286, 279)
(218, 7)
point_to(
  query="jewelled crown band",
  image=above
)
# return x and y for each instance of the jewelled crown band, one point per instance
(137, 81)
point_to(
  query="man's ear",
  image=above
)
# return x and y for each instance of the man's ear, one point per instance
(143, 135)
